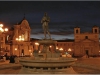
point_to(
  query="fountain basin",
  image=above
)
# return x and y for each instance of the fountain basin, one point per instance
(54, 65)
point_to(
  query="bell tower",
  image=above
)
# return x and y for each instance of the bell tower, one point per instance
(76, 33)
(76, 30)
(95, 29)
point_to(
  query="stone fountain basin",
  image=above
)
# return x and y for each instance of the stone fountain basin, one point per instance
(59, 62)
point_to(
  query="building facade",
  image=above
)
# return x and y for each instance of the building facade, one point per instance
(82, 44)
(18, 42)
(87, 42)
(19, 39)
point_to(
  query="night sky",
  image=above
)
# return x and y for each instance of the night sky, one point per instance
(64, 16)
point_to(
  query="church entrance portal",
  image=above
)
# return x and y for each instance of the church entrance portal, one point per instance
(22, 53)
(87, 53)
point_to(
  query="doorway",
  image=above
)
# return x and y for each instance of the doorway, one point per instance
(22, 53)
(87, 53)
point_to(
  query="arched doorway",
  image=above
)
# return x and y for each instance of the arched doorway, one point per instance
(22, 52)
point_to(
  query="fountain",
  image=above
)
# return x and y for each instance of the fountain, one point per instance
(45, 61)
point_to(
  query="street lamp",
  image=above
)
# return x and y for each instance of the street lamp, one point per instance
(19, 39)
(1, 32)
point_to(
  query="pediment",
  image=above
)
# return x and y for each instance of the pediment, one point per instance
(86, 40)
(24, 24)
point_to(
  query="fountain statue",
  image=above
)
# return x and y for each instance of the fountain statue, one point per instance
(45, 20)
(46, 60)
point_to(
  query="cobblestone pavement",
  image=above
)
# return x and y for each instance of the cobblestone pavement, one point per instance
(81, 66)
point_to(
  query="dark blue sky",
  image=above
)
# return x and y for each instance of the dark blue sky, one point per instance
(64, 15)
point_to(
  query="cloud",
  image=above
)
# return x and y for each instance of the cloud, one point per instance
(63, 29)
(55, 37)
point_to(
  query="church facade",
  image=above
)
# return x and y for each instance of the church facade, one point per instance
(82, 44)
(87, 42)
(18, 38)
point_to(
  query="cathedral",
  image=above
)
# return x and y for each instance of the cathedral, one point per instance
(17, 41)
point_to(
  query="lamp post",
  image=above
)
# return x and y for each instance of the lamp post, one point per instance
(1, 31)
(19, 39)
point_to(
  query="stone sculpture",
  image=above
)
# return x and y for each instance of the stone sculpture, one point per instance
(45, 20)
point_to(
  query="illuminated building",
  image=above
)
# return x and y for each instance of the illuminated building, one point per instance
(19, 42)
(19, 39)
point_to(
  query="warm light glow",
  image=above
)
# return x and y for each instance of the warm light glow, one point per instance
(99, 51)
(61, 49)
(50, 46)
(39, 51)
(20, 39)
(31, 53)
(1, 29)
(15, 49)
(23, 39)
(16, 38)
(29, 50)
(1, 25)
(36, 43)
(19, 36)
(69, 49)
(6, 29)
(56, 47)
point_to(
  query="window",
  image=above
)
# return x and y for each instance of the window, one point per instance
(86, 37)
(95, 30)
(76, 31)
